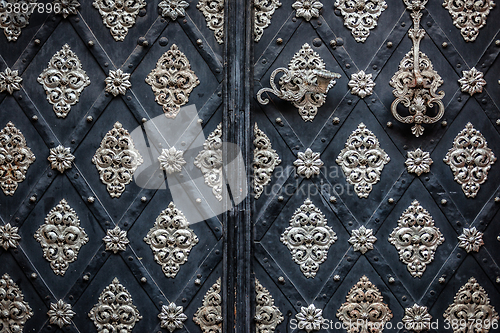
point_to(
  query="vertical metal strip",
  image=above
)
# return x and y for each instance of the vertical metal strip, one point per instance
(237, 279)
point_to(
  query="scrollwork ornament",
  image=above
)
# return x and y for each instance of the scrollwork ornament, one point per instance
(416, 82)
(267, 315)
(116, 159)
(469, 16)
(264, 10)
(308, 238)
(471, 306)
(361, 16)
(13, 21)
(209, 315)
(213, 10)
(15, 158)
(63, 81)
(115, 312)
(172, 80)
(362, 160)
(209, 161)
(119, 15)
(364, 310)
(265, 159)
(416, 238)
(171, 240)
(14, 310)
(470, 159)
(305, 83)
(61, 237)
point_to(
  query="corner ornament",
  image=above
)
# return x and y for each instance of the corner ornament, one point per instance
(14, 310)
(119, 15)
(416, 82)
(209, 316)
(267, 315)
(305, 83)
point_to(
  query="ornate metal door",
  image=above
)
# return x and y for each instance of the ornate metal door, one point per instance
(368, 133)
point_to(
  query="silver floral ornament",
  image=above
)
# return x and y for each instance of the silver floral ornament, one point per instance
(172, 317)
(307, 8)
(9, 236)
(361, 84)
(362, 239)
(66, 7)
(60, 158)
(418, 161)
(60, 313)
(173, 8)
(171, 160)
(472, 81)
(10, 81)
(116, 240)
(308, 163)
(471, 239)
(310, 318)
(117, 82)
(417, 318)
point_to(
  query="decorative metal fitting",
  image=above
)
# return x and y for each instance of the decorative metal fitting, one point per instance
(416, 82)
(305, 83)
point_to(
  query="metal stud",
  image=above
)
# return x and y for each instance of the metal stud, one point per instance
(444, 202)
(390, 200)
(90, 199)
(336, 277)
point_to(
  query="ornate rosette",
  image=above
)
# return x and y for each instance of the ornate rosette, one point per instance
(60, 313)
(308, 238)
(115, 312)
(116, 240)
(265, 159)
(12, 21)
(15, 158)
(9, 238)
(364, 309)
(309, 318)
(209, 315)
(14, 310)
(469, 16)
(66, 7)
(360, 16)
(173, 8)
(63, 81)
(362, 239)
(209, 161)
(417, 319)
(418, 161)
(470, 159)
(117, 82)
(171, 160)
(416, 238)
(471, 306)
(213, 10)
(10, 81)
(361, 84)
(61, 237)
(472, 81)
(362, 160)
(119, 15)
(307, 8)
(172, 80)
(172, 317)
(308, 163)
(264, 10)
(116, 160)
(60, 158)
(267, 315)
(171, 240)
(471, 239)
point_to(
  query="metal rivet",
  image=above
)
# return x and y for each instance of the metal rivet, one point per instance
(264, 61)
(498, 279)
(317, 42)
(347, 65)
(86, 277)
(389, 124)
(199, 41)
(444, 45)
(37, 42)
(198, 200)
(197, 282)
(497, 42)
(498, 238)
(484, 101)
(200, 121)
(17, 219)
(144, 120)
(350, 223)
(336, 277)
(77, 19)
(392, 280)
(390, 200)
(90, 199)
(375, 67)
(90, 42)
(498, 122)
(198, 276)
(20, 96)
(333, 43)
(144, 280)
(130, 65)
(34, 118)
(89, 119)
(184, 300)
(375, 258)
(485, 260)
(144, 199)
(444, 202)
(429, 24)
(389, 45)
(403, 24)
(34, 276)
(280, 198)
(163, 41)
(333, 199)
(279, 120)
(444, 123)
(294, 19)
(299, 303)
(217, 251)
(281, 280)
(459, 65)
(349, 102)
(32, 199)
(459, 255)
(336, 120)
(265, 260)
(279, 41)
(129, 98)
(442, 280)
(432, 292)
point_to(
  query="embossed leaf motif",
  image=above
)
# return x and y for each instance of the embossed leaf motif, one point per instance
(115, 312)
(213, 10)
(172, 80)
(267, 315)
(470, 306)
(470, 159)
(61, 237)
(264, 10)
(265, 159)
(209, 315)
(364, 310)
(116, 160)
(171, 240)
(362, 160)
(209, 161)
(416, 238)
(119, 15)
(13, 21)
(308, 238)
(14, 310)
(360, 16)
(469, 16)
(15, 158)
(63, 81)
